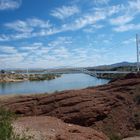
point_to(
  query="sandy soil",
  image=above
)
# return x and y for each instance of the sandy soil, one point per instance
(50, 128)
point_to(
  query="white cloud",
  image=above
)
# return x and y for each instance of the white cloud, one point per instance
(9, 56)
(127, 15)
(88, 21)
(120, 20)
(93, 28)
(129, 41)
(35, 22)
(9, 4)
(65, 12)
(60, 41)
(32, 47)
(28, 25)
(8, 49)
(19, 26)
(35, 27)
(47, 56)
(92, 18)
(134, 6)
(28, 28)
(101, 1)
(4, 37)
(127, 27)
(11, 61)
(61, 53)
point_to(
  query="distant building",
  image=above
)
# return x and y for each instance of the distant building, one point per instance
(12, 72)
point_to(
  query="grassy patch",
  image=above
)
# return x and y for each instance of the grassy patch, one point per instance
(6, 128)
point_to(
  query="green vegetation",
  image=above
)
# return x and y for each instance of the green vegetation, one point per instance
(114, 137)
(137, 99)
(41, 77)
(111, 132)
(6, 128)
(111, 75)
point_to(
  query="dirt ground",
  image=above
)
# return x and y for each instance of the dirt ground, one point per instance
(49, 128)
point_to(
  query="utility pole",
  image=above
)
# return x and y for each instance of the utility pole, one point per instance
(28, 73)
(138, 52)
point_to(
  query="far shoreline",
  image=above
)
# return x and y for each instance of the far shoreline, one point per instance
(19, 77)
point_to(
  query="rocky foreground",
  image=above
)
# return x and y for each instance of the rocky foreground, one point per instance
(113, 109)
(50, 128)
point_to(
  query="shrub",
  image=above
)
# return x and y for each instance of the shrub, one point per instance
(112, 133)
(137, 99)
(114, 137)
(6, 128)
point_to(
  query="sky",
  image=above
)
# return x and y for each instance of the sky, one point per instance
(67, 33)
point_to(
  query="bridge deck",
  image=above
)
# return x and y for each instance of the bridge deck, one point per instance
(93, 73)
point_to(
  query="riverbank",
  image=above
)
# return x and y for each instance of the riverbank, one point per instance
(112, 108)
(111, 76)
(25, 77)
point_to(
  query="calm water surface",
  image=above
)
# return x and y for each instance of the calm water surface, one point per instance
(65, 82)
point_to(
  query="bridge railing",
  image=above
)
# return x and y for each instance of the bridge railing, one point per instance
(92, 73)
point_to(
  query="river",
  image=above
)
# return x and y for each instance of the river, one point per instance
(65, 82)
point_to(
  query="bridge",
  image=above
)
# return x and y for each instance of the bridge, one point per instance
(97, 73)
(86, 71)
(92, 73)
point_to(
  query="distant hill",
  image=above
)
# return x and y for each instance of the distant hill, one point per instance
(121, 64)
(108, 67)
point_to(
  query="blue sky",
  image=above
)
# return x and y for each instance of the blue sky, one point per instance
(67, 33)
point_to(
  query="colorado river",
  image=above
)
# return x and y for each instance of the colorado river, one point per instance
(65, 82)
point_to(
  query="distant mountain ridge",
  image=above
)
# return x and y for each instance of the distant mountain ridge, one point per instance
(120, 64)
(123, 64)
